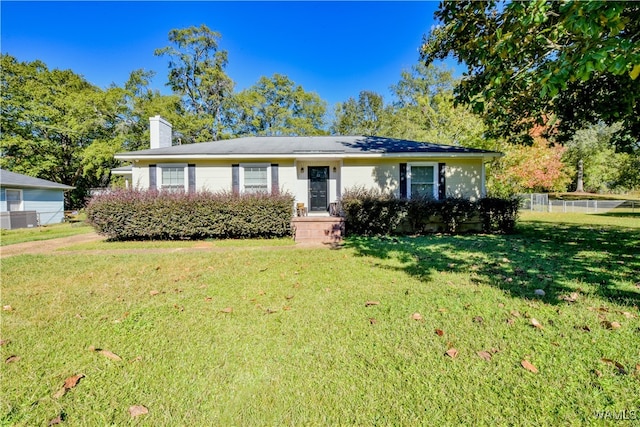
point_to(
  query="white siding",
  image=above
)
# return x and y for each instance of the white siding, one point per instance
(464, 178)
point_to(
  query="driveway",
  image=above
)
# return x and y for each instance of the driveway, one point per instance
(47, 246)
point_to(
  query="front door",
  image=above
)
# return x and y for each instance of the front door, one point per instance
(318, 188)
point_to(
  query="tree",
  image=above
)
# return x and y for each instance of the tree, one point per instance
(535, 168)
(197, 75)
(276, 106)
(57, 126)
(575, 62)
(598, 166)
(365, 116)
(424, 110)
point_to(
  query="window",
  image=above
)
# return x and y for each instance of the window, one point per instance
(172, 178)
(422, 180)
(14, 200)
(256, 178)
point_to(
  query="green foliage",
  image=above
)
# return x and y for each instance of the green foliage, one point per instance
(197, 75)
(530, 61)
(372, 213)
(365, 116)
(57, 126)
(142, 215)
(599, 168)
(498, 214)
(275, 106)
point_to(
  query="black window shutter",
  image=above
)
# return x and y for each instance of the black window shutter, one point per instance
(153, 183)
(403, 180)
(442, 181)
(235, 179)
(192, 178)
(275, 185)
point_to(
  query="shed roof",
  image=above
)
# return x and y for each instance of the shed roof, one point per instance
(12, 179)
(305, 146)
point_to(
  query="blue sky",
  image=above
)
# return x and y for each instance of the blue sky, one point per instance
(335, 49)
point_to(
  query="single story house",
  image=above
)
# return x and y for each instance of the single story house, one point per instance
(26, 201)
(315, 169)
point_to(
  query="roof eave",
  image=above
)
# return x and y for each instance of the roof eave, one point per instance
(135, 158)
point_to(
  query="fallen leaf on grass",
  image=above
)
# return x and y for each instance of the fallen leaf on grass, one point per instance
(227, 310)
(439, 332)
(178, 307)
(485, 355)
(286, 308)
(105, 353)
(370, 303)
(452, 353)
(416, 316)
(7, 308)
(207, 299)
(584, 328)
(619, 366)
(529, 366)
(288, 297)
(611, 325)
(536, 324)
(12, 358)
(110, 355)
(478, 319)
(628, 315)
(154, 292)
(511, 321)
(442, 310)
(69, 383)
(4, 342)
(57, 420)
(570, 298)
(372, 321)
(137, 410)
(515, 313)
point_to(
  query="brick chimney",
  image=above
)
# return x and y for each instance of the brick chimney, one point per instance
(160, 130)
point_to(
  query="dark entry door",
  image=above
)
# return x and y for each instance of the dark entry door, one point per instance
(318, 188)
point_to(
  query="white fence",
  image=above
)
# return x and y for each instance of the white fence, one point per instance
(539, 202)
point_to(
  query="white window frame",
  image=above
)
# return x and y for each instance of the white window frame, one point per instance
(185, 175)
(435, 177)
(255, 165)
(6, 198)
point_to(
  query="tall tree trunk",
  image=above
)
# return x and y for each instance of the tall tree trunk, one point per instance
(580, 183)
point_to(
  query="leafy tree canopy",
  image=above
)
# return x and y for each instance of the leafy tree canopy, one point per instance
(197, 75)
(533, 62)
(276, 106)
(57, 126)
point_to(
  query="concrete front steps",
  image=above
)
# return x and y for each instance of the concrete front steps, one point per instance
(318, 229)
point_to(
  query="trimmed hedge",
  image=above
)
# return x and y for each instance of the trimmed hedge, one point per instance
(149, 214)
(370, 212)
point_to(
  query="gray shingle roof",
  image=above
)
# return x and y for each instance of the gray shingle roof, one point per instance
(12, 179)
(308, 145)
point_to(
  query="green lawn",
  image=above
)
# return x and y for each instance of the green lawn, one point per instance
(10, 237)
(284, 336)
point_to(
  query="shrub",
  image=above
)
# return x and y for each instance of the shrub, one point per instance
(454, 212)
(498, 215)
(370, 212)
(149, 214)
